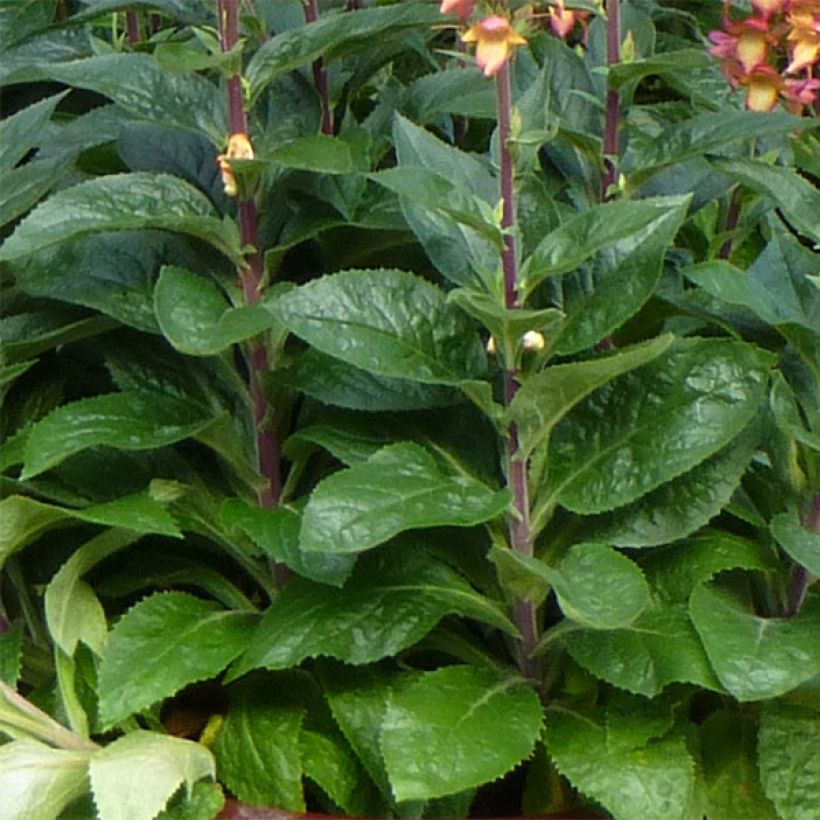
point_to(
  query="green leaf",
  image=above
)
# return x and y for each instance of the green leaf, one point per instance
(129, 421)
(756, 658)
(707, 133)
(659, 648)
(683, 505)
(257, 749)
(675, 571)
(21, 18)
(386, 606)
(437, 737)
(138, 85)
(39, 781)
(800, 544)
(205, 802)
(333, 381)
(795, 197)
(22, 521)
(334, 36)
(670, 62)
(276, 532)
(123, 202)
(164, 643)
(596, 586)
(654, 424)
(732, 783)
(546, 397)
(351, 444)
(73, 611)
(197, 319)
(330, 763)
(25, 186)
(584, 235)
(318, 153)
(655, 782)
(135, 776)
(788, 759)
(399, 488)
(387, 322)
(11, 652)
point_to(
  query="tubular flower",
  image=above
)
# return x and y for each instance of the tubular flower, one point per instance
(768, 7)
(763, 86)
(462, 9)
(562, 20)
(495, 40)
(804, 36)
(239, 147)
(747, 42)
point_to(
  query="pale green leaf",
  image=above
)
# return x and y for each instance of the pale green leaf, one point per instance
(135, 776)
(164, 643)
(37, 781)
(437, 736)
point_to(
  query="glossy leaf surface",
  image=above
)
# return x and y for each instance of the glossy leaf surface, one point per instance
(434, 737)
(399, 488)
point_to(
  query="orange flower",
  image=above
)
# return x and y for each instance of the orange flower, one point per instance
(461, 8)
(239, 147)
(763, 85)
(804, 35)
(495, 40)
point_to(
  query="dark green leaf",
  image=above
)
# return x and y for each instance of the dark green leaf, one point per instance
(584, 235)
(276, 532)
(23, 131)
(788, 759)
(756, 658)
(384, 608)
(28, 334)
(399, 488)
(437, 736)
(659, 648)
(655, 423)
(683, 505)
(23, 187)
(330, 763)
(257, 749)
(11, 652)
(164, 643)
(652, 783)
(671, 62)
(388, 322)
(800, 544)
(797, 198)
(334, 36)
(138, 85)
(123, 202)
(128, 421)
(197, 319)
(543, 399)
(318, 153)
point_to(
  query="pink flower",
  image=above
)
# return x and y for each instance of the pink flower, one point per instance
(462, 9)
(495, 40)
(562, 21)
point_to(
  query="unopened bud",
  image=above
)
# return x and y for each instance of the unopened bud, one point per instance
(491, 348)
(533, 340)
(239, 147)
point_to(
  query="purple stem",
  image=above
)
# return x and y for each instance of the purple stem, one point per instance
(732, 218)
(251, 277)
(319, 73)
(132, 24)
(613, 99)
(155, 22)
(520, 532)
(802, 579)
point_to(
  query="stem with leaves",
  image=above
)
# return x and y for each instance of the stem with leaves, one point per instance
(613, 100)
(251, 277)
(520, 530)
(319, 72)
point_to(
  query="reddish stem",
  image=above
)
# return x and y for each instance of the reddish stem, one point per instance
(520, 531)
(132, 25)
(319, 73)
(613, 100)
(802, 579)
(251, 277)
(732, 218)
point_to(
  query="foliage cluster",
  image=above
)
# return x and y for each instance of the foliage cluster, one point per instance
(450, 447)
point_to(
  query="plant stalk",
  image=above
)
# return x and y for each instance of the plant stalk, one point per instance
(732, 219)
(132, 25)
(520, 530)
(251, 277)
(319, 72)
(613, 101)
(802, 579)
